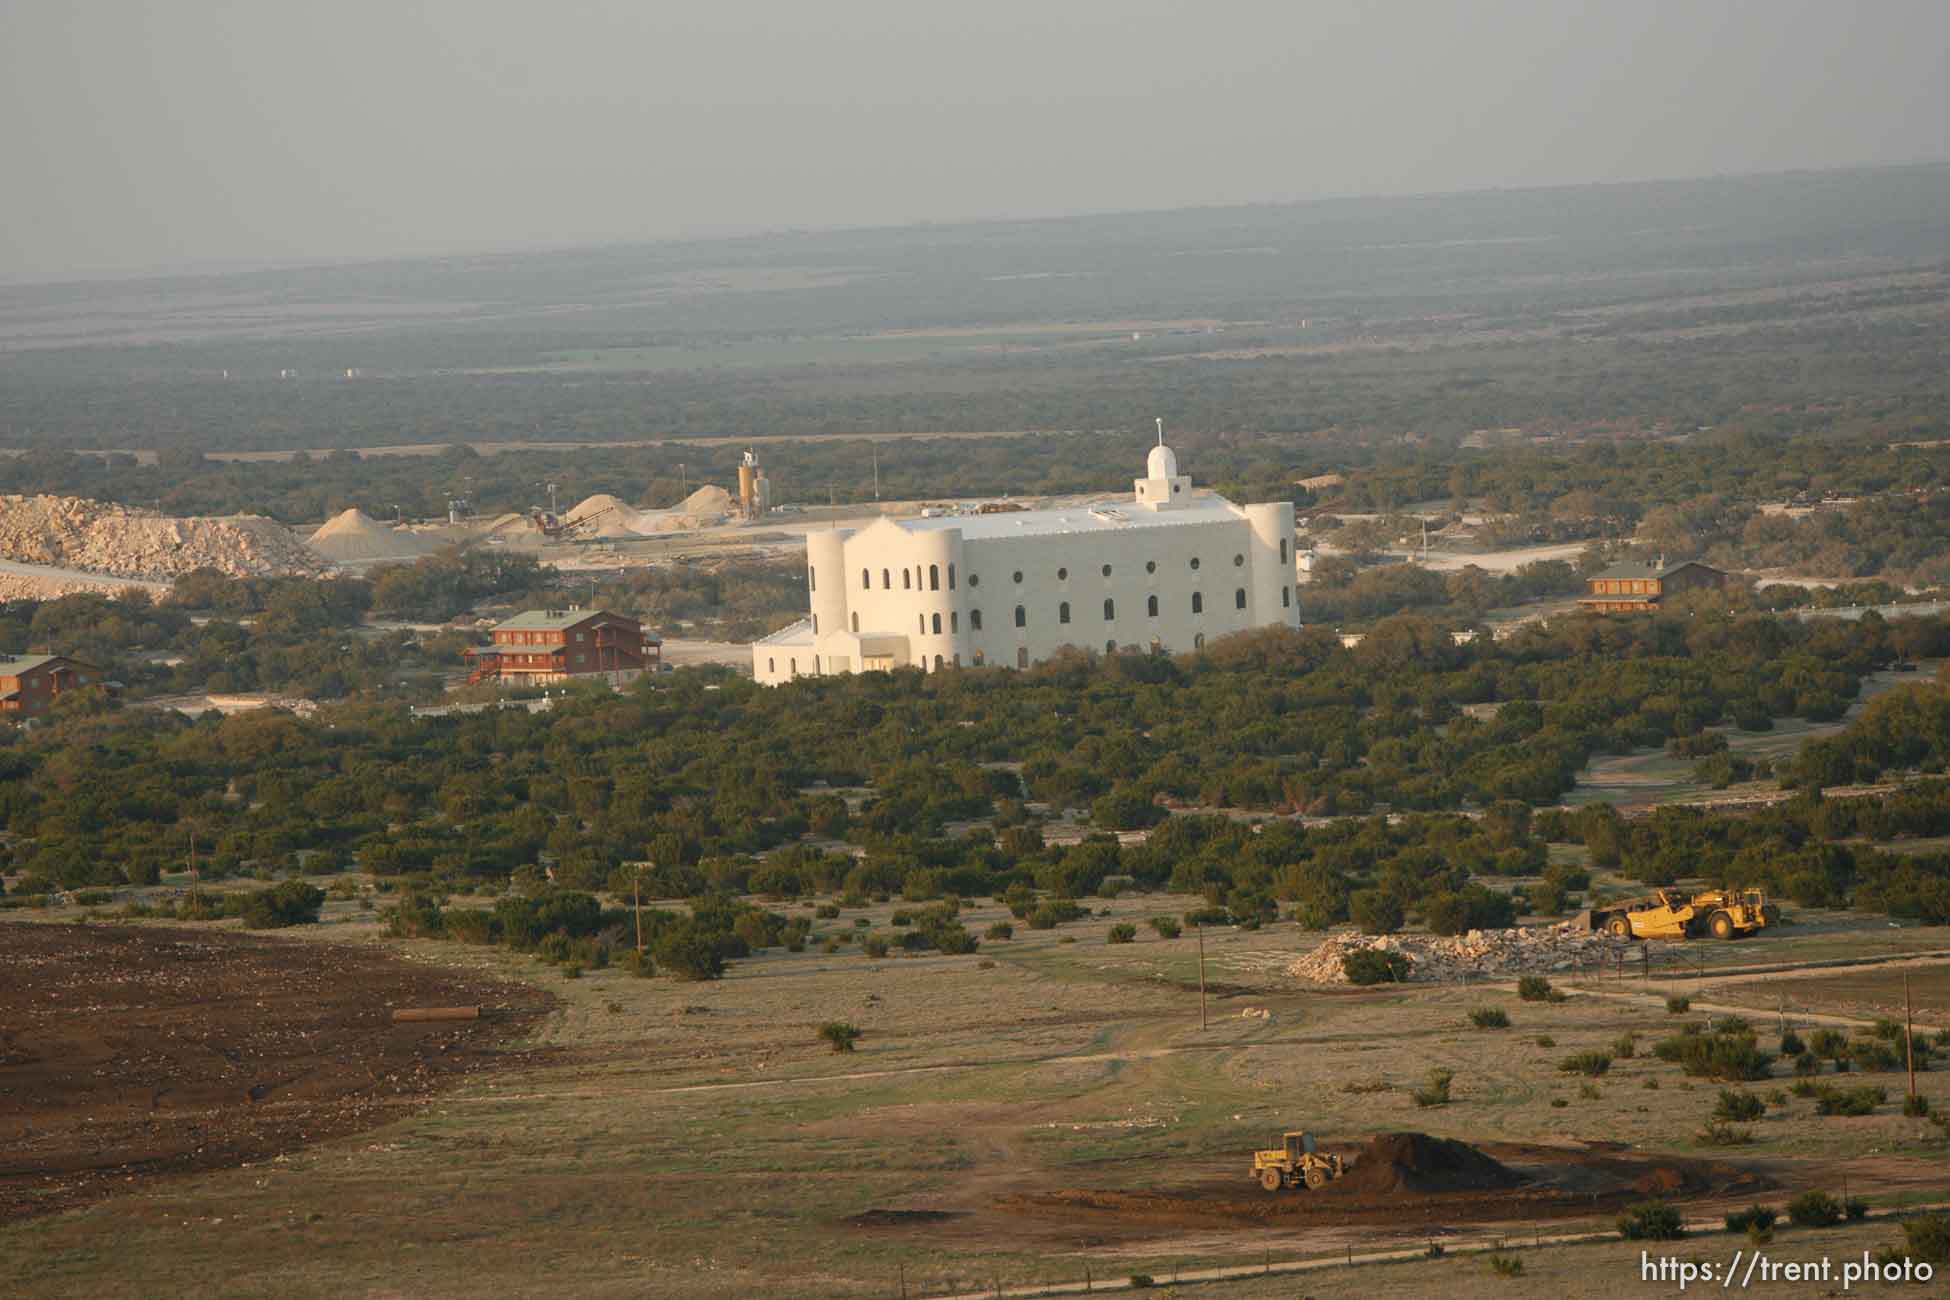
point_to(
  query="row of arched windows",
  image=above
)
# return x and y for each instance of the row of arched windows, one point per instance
(910, 579)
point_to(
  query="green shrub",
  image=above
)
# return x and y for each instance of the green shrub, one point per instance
(1829, 1045)
(573, 971)
(827, 911)
(1436, 1091)
(690, 954)
(1545, 1040)
(1730, 1058)
(1754, 1216)
(1534, 988)
(292, 903)
(1166, 926)
(1141, 1282)
(901, 918)
(1926, 1238)
(1625, 1047)
(1735, 1105)
(1489, 1018)
(639, 964)
(1807, 1065)
(471, 925)
(1916, 1106)
(1814, 1209)
(1872, 1055)
(1849, 1101)
(1587, 1063)
(1053, 912)
(839, 1035)
(874, 945)
(1505, 1265)
(1716, 1134)
(1651, 1220)
(1122, 932)
(1678, 1006)
(1791, 1044)
(1001, 930)
(1732, 1025)
(1855, 1209)
(1889, 1031)
(1375, 966)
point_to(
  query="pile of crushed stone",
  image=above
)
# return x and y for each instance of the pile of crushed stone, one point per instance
(72, 532)
(353, 536)
(1523, 950)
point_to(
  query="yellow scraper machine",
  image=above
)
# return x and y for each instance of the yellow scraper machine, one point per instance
(1677, 914)
(1294, 1163)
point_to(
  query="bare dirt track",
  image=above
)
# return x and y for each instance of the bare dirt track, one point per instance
(1409, 1178)
(133, 1053)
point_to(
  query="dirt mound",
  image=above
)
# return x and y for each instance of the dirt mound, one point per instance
(1416, 1162)
(354, 536)
(72, 532)
(608, 516)
(132, 1053)
(706, 501)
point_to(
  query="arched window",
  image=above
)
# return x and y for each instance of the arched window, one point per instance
(924, 623)
(954, 621)
(1238, 560)
(1022, 656)
(957, 661)
(937, 625)
(1198, 602)
(1106, 570)
(1198, 641)
(1063, 612)
(1022, 619)
(1110, 646)
(1286, 597)
(951, 585)
(1239, 599)
(975, 620)
(812, 578)
(1151, 606)
(934, 577)
(856, 622)
(1195, 562)
(815, 665)
(1018, 575)
(886, 580)
(1150, 566)
(974, 579)
(1062, 575)
(937, 663)
(978, 659)
(792, 665)
(1110, 610)
(907, 580)
(1283, 550)
(771, 665)
(815, 624)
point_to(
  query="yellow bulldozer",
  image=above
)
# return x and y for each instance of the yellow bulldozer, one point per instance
(1295, 1162)
(1676, 914)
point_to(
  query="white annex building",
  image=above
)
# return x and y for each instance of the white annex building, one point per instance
(1167, 571)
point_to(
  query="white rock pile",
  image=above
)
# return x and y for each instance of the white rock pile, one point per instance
(74, 533)
(1480, 953)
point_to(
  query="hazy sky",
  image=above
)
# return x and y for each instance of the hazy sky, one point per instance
(144, 133)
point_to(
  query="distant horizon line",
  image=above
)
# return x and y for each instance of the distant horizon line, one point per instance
(731, 233)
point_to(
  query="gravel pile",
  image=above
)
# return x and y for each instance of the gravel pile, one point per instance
(352, 536)
(1521, 951)
(70, 532)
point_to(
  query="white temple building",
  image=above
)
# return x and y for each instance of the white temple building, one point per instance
(1167, 571)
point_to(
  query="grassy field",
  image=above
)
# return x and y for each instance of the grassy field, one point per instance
(698, 1140)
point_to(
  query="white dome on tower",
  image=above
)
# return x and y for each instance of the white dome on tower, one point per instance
(1161, 463)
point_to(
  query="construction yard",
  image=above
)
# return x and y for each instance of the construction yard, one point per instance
(1046, 1110)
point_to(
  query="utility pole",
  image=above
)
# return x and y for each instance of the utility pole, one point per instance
(1909, 1034)
(636, 891)
(876, 471)
(1200, 930)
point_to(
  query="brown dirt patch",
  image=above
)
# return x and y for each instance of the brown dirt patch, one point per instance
(1401, 1179)
(133, 1053)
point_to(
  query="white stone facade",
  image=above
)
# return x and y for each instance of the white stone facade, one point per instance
(1167, 571)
